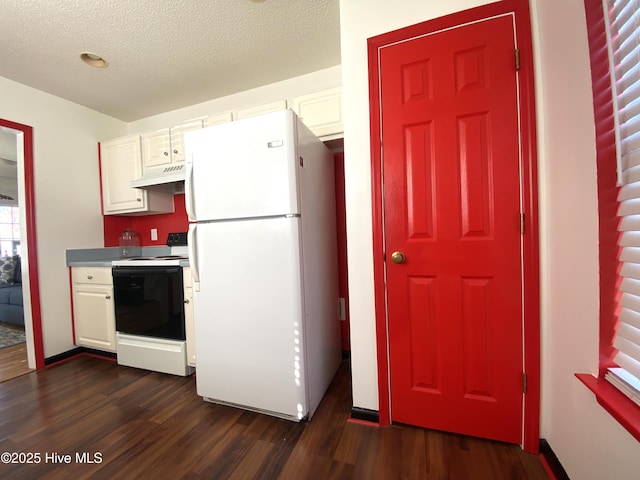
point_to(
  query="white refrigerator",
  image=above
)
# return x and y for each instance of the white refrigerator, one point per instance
(260, 197)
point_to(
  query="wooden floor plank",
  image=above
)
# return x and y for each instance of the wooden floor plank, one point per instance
(143, 424)
(13, 362)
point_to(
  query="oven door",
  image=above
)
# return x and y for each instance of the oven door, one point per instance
(149, 301)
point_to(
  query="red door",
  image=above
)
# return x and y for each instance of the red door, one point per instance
(451, 203)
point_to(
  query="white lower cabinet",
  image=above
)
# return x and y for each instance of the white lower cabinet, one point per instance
(93, 308)
(188, 317)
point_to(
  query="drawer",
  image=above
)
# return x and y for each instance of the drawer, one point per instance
(155, 354)
(98, 275)
(186, 277)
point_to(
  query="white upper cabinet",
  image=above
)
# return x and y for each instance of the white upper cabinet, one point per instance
(165, 147)
(260, 109)
(121, 162)
(322, 112)
(219, 119)
(156, 147)
(130, 158)
(177, 138)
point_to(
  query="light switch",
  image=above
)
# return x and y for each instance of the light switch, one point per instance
(154, 234)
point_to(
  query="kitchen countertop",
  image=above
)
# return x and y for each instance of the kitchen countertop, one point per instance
(102, 257)
(91, 263)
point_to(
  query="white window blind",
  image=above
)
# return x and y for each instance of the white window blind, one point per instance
(623, 35)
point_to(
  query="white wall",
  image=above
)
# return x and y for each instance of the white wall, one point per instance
(67, 195)
(588, 442)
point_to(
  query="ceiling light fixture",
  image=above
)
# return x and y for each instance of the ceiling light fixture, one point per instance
(93, 59)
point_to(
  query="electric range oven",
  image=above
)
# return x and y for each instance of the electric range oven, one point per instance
(149, 309)
(149, 301)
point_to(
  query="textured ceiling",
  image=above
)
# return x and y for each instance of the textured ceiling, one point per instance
(163, 54)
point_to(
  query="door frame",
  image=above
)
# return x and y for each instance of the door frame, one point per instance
(519, 9)
(28, 196)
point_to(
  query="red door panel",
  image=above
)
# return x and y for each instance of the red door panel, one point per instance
(451, 182)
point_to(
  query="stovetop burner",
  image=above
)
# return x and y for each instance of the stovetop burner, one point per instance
(177, 254)
(164, 260)
(160, 257)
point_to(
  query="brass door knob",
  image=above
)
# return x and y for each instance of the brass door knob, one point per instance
(398, 257)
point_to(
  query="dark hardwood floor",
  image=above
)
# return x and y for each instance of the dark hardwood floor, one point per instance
(13, 362)
(138, 424)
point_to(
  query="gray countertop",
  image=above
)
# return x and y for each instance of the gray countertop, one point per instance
(90, 263)
(102, 257)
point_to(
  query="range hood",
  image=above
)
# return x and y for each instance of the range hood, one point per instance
(160, 176)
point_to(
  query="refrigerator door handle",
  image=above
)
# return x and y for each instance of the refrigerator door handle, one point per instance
(193, 256)
(188, 191)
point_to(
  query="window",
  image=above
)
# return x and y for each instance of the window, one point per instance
(613, 28)
(622, 20)
(9, 231)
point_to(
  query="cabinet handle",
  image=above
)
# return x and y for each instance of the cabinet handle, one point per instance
(139, 199)
(89, 277)
(186, 300)
(175, 151)
(108, 297)
(166, 154)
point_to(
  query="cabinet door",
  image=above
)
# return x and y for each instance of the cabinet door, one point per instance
(121, 162)
(219, 119)
(321, 112)
(156, 148)
(94, 316)
(177, 139)
(261, 109)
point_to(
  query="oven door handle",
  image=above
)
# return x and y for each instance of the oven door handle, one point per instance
(137, 271)
(193, 256)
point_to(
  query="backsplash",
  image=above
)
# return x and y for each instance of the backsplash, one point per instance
(165, 224)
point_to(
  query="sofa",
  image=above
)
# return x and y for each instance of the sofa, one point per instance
(11, 306)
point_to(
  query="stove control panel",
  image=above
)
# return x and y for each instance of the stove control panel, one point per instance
(177, 239)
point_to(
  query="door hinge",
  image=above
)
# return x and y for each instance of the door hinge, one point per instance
(522, 224)
(524, 383)
(517, 59)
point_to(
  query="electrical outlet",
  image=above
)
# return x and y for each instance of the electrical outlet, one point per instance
(154, 234)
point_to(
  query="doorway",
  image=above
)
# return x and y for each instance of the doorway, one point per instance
(454, 200)
(30, 290)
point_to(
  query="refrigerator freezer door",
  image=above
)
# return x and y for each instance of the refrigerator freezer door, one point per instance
(243, 169)
(248, 316)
